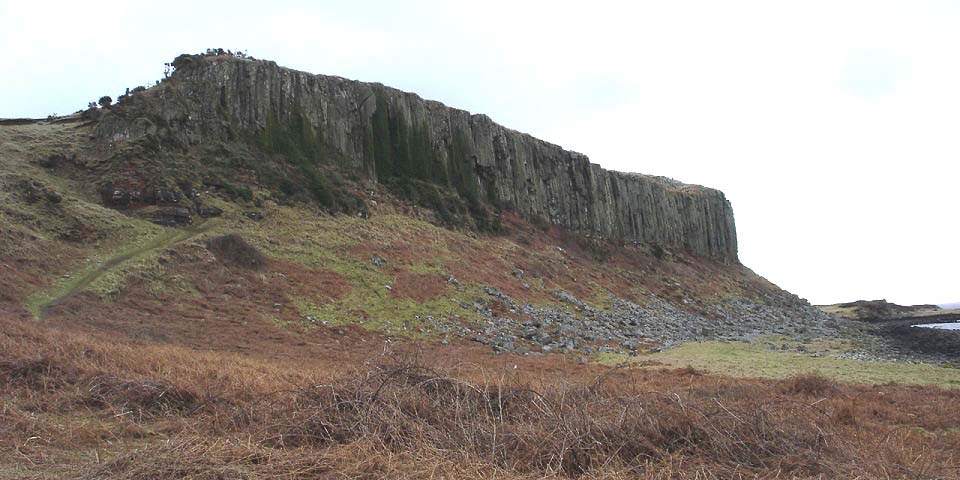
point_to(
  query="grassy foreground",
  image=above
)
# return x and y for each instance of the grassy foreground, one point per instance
(90, 406)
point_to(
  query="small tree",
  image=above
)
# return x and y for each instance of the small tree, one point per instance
(105, 101)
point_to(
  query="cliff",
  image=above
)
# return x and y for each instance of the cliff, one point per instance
(383, 133)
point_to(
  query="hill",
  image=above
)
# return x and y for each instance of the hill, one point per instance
(433, 224)
(880, 310)
(248, 271)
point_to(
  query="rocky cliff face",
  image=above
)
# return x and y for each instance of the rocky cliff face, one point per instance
(385, 133)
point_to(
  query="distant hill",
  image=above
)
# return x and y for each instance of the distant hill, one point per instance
(950, 306)
(877, 310)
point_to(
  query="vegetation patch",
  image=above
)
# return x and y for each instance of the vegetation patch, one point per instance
(371, 305)
(810, 384)
(741, 359)
(299, 143)
(420, 287)
(106, 276)
(232, 249)
(405, 160)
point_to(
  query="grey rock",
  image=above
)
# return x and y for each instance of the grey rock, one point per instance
(172, 216)
(566, 297)
(208, 212)
(493, 292)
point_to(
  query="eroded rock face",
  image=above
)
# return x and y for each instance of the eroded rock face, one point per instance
(383, 133)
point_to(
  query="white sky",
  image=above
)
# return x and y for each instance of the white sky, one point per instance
(832, 126)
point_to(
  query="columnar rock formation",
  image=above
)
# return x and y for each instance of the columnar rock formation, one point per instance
(383, 132)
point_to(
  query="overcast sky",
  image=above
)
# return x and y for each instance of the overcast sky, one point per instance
(832, 126)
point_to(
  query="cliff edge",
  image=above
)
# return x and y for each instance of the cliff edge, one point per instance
(384, 134)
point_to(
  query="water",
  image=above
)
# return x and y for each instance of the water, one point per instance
(941, 326)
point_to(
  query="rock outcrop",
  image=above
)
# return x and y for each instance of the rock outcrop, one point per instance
(383, 133)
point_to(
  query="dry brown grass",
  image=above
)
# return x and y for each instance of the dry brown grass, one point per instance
(810, 384)
(420, 287)
(74, 402)
(232, 249)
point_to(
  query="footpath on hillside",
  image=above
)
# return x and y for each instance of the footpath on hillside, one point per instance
(40, 304)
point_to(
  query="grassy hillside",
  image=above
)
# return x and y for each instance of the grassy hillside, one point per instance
(316, 345)
(387, 270)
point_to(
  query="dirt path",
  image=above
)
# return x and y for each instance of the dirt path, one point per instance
(41, 303)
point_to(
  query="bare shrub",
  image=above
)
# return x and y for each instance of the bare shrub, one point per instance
(690, 370)
(810, 384)
(846, 415)
(39, 373)
(141, 398)
(572, 430)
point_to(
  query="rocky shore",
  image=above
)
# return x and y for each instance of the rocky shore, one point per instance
(628, 327)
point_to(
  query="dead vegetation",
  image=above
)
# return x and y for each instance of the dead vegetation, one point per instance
(810, 384)
(129, 410)
(232, 249)
(566, 429)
